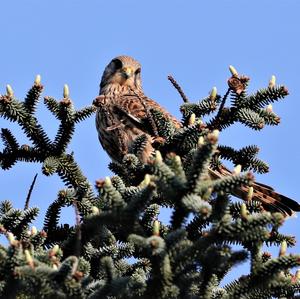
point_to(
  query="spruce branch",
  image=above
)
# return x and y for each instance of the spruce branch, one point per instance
(52, 154)
(186, 257)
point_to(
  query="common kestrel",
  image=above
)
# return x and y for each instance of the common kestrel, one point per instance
(123, 115)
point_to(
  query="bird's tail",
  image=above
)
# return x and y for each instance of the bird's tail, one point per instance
(270, 199)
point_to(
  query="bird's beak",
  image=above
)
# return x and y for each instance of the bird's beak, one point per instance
(126, 72)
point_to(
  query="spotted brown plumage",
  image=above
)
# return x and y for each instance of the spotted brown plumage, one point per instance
(123, 115)
(123, 109)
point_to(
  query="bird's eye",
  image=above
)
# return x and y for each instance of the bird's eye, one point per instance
(137, 71)
(118, 63)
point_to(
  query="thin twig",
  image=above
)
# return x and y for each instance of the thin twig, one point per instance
(222, 104)
(29, 192)
(178, 88)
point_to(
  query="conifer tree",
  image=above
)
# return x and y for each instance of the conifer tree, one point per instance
(118, 248)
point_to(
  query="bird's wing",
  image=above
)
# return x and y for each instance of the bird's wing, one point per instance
(136, 108)
(123, 114)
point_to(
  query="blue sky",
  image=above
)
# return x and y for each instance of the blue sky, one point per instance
(195, 41)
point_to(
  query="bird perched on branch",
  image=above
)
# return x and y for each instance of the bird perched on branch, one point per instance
(123, 109)
(123, 115)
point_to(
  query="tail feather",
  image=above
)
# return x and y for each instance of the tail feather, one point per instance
(271, 200)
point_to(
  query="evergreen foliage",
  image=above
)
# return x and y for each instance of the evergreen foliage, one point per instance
(118, 248)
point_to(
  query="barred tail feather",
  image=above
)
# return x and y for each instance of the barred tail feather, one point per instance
(274, 201)
(270, 199)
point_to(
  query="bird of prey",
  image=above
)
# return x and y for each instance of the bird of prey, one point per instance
(123, 111)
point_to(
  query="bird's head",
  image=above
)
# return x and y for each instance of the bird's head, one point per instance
(122, 73)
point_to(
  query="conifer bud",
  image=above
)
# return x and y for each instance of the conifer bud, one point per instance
(200, 141)
(269, 108)
(158, 157)
(156, 227)
(244, 211)
(11, 238)
(54, 267)
(297, 275)
(207, 193)
(54, 250)
(33, 231)
(66, 92)
(283, 248)
(213, 94)
(192, 119)
(146, 180)
(250, 193)
(272, 82)
(107, 181)
(95, 210)
(281, 275)
(177, 159)
(216, 133)
(29, 258)
(37, 80)
(237, 169)
(233, 71)
(9, 91)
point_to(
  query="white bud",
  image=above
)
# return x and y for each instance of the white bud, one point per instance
(54, 250)
(95, 210)
(297, 275)
(213, 94)
(269, 108)
(158, 157)
(250, 193)
(33, 231)
(192, 119)
(107, 181)
(237, 169)
(216, 133)
(233, 71)
(272, 82)
(177, 159)
(146, 181)
(11, 238)
(200, 141)
(156, 227)
(28, 258)
(37, 80)
(54, 267)
(66, 92)
(244, 211)
(283, 248)
(9, 90)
